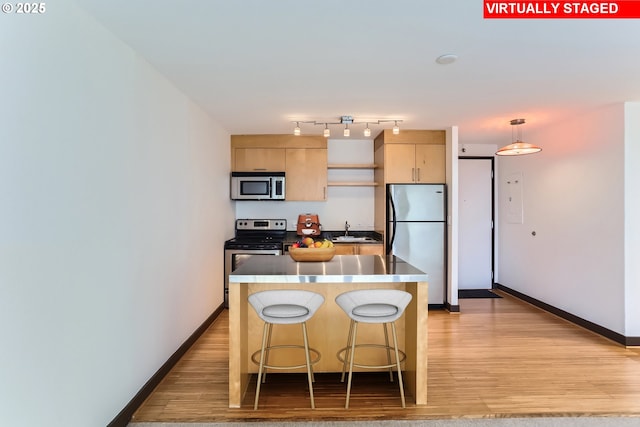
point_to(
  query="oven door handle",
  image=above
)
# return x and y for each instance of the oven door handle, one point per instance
(253, 252)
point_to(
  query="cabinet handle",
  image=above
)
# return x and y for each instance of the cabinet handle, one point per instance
(259, 169)
(324, 191)
(413, 174)
(418, 180)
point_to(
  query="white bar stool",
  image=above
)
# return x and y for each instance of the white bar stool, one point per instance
(373, 306)
(284, 307)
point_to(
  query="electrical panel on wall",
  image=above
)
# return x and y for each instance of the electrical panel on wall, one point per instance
(513, 198)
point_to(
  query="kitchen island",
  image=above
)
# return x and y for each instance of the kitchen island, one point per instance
(329, 327)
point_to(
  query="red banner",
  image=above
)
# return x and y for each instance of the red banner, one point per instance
(623, 9)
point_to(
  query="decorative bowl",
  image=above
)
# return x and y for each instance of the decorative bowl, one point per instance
(312, 254)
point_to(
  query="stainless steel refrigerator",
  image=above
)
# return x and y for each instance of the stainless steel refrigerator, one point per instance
(416, 231)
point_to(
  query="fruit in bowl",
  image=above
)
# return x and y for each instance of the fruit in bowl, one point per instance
(308, 242)
(309, 250)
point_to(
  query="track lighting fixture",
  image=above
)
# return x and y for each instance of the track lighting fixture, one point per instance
(518, 147)
(346, 121)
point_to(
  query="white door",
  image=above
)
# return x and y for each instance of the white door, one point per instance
(475, 212)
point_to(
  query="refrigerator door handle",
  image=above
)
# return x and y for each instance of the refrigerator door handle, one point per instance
(392, 236)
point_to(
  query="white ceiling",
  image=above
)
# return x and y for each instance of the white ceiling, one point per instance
(257, 65)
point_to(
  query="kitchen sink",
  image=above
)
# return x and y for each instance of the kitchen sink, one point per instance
(352, 239)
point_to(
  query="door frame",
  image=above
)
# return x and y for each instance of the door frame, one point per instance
(493, 211)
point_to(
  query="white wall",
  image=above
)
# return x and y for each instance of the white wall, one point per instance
(573, 198)
(113, 187)
(481, 150)
(632, 214)
(352, 204)
(452, 215)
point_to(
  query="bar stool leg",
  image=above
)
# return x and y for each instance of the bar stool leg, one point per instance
(347, 351)
(266, 354)
(386, 344)
(258, 382)
(308, 358)
(395, 345)
(353, 350)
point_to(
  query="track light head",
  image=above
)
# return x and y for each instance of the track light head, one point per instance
(396, 129)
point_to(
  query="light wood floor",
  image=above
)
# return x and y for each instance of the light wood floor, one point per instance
(498, 358)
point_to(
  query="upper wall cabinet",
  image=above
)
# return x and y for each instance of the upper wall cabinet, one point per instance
(306, 173)
(259, 160)
(413, 156)
(302, 158)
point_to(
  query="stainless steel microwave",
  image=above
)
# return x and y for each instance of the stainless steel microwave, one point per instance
(257, 185)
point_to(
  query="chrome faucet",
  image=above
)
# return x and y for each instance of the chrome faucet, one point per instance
(346, 228)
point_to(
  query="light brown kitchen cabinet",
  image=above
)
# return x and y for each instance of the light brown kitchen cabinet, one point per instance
(430, 164)
(259, 160)
(371, 249)
(414, 163)
(359, 249)
(346, 249)
(306, 173)
(303, 159)
(400, 163)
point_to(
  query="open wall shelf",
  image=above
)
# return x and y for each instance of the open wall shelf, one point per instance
(352, 166)
(352, 183)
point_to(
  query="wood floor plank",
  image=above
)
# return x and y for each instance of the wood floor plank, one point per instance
(497, 358)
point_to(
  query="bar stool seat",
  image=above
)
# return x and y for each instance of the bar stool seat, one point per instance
(284, 307)
(380, 306)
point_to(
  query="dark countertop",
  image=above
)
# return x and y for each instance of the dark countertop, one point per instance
(377, 237)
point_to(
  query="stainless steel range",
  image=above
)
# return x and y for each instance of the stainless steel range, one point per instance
(254, 237)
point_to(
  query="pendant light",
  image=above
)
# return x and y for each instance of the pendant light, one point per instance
(327, 131)
(518, 147)
(296, 130)
(396, 129)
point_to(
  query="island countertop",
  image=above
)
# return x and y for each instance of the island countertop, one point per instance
(341, 269)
